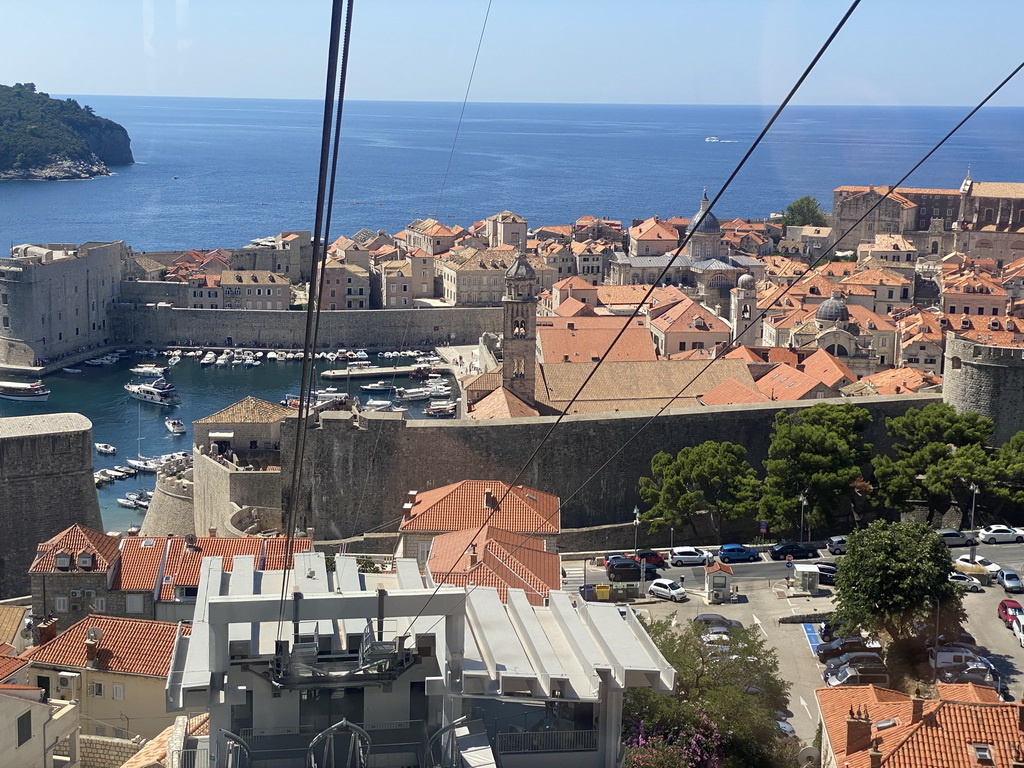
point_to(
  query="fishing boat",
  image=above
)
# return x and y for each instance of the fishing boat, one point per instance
(159, 392)
(21, 390)
(208, 359)
(175, 426)
(72, 370)
(148, 370)
(105, 448)
(378, 386)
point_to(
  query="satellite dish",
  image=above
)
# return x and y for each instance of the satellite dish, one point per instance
(26, 632)
(190, 540)
(809, 756)
(94, 634)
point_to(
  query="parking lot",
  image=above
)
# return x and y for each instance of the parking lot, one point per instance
(762, 606)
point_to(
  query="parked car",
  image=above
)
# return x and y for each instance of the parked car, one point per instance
(854, 659)
(629, 570)
(836, 545)
(1001, 534)
(690, 556)
(842, 645)
(829, 630)
(955, 538)
(951, 655)
(667, 590)
(1008, 610)
(1010, 580)
(969, 583)
(651, 557)
(984, 562)
(609, 556)
(827, 573)
(1018, 629)
(969, 672)
(729, 553)
(788, 731)
(859, 676)
(963, 639)
(784, 549)
(716, 620)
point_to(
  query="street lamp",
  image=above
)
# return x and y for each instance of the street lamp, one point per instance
(803, 506)
(671, 539)
(636, 551)
(935, 645)
(973, 488)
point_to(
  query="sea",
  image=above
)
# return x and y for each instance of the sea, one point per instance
(217, 173)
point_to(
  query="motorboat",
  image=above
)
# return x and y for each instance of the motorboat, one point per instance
(208, 359)
(159, 392)
(377, 405)
(105, 448)
(142, 464)
(148, 370)
(125, 470)
(71, 370)
(101, 479)
(421, 371)
(378, 386)
(223, 359)
(95, 361)
(129, 503)
(712, 138)
(21, 390)
(360, 365)
(110, 359)
(413, 394)
(113, 474)
(140, 495)
(441, 409)
(362, 355)
(175, 426)
(272, 355)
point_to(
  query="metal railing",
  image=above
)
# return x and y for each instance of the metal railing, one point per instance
(190, 758)
(547, 741)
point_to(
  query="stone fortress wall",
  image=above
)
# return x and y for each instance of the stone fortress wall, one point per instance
(988, 380)
(171, 509)
(46, 485)
(387, 328)
(356, 479)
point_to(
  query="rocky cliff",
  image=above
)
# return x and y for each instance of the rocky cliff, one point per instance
(46, 138)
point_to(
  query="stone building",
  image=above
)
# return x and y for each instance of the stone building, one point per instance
(925, 216)
(505, 228)
(991, 221)
(519, 340)
(46, 484)
(346, 286)
(988, 380)
(652, 237)
(255, 289)
(432, 237)
(287, 253)
(58, 299)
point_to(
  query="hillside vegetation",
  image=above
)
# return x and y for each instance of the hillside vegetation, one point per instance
(38, 132)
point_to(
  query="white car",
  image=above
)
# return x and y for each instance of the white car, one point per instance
(691, 556)
(667, 590)
(984, 562)
(1000, 534)
(969, 582)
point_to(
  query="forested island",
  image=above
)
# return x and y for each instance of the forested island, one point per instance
(46, 138)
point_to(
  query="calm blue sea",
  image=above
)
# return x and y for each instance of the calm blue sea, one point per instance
(219, 172)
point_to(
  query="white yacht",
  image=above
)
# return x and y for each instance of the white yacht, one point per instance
(148, 370)
(23, 390)
(175, 426)
(208, 359)
(159, 392)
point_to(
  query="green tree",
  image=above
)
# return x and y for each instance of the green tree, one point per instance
(711, 477)
(732, 693)
(938, 454)
(817, 453)
(1006, 494)
(892, 576)
(805, 211)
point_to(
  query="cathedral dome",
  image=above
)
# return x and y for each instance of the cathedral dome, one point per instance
(746, 282)
(520, 270)
(710, 223)
(833, 309)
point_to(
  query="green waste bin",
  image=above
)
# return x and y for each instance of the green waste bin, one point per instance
(603, 591)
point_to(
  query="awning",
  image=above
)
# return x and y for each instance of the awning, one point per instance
(221, 435)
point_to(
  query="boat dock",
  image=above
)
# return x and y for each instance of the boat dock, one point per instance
(380, 372)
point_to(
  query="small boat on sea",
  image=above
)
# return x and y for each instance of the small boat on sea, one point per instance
(413, 394)
(148, 370)
(125, 470)
(175, 426)
(378, 386)
(21, 390)
(175, 359)
(208, 359)
(444, 409)
(129, 503)
(159, 392)
(105, 448)
(95, 361)
(71, 370)
(272, 355)
(223, 359)
(377, 405)
(712, 138)
(142, 464)
(113, 474)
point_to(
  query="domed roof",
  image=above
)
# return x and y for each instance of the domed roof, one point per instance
(710, 222)
(746, 282)
(520, 270)
(832, 309)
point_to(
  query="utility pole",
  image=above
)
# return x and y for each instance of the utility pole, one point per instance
(803, 506)
(973, 488)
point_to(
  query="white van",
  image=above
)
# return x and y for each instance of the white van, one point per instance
(949, 656)
(1018, 629)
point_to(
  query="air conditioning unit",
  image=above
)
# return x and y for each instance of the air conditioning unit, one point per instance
(90, 593)
(76, 593)
(76, 607)
(68, 681)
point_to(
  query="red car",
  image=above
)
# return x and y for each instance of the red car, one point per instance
(651, 557)
(1009, 610)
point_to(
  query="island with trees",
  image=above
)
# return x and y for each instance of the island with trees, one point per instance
(47, 138)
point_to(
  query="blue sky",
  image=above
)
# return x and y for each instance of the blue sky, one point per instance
(892, 52)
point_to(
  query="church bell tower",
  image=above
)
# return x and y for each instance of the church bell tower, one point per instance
(519, 345)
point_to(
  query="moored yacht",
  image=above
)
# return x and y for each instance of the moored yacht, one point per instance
(159, 392)
(22, 390)
(175, 426)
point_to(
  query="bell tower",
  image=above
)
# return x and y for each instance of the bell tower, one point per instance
(519, 345)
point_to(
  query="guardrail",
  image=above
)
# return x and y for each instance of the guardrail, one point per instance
(547, 741)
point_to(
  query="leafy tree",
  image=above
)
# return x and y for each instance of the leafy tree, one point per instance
(818, 453)
(939, 453)
(805, 211)
(732, 694)
(892, 576)
(711, 477)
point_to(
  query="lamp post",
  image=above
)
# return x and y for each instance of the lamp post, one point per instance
(671, 540)
(935, 644)
(636, 551)
(803, 506)
(973, 488)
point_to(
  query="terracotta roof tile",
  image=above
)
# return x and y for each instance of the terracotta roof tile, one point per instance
(897, 381)
(251, 410)
(12, 619)
(501, 404)
(155, 750)
(828, 370)
(461, 505)
(128, 646)
(784, 383)
(76, 540)
(731, 392)
(9, 665)
(585, 345)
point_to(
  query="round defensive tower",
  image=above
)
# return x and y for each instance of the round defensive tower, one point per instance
(988, 380)
(171, 509)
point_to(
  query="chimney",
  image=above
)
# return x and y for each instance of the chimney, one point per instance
(571, 326)
(472, 555)
(309, 533)
(858, 731)
(489, 499)
(213, 533)
(565, 358)
(1020, 718)
(410, 499)
(874, 755)
(916, 709)
(90, 653)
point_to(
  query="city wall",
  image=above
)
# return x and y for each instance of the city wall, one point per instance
(46, 485)
(988, 380)
(356, 478)
(383, 328)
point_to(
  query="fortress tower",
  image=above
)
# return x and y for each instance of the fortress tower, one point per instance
(519, 346)
(987, 380)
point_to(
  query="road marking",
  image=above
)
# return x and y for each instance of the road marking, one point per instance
(806, 708)
(757, 621)
(811, 632)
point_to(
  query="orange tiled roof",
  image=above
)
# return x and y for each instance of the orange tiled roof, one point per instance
(461, 505)
(897, 381)
(875, 277)
(501, 404)
(10, 665)
(585, 345)
(784, 383)
(250, 410)
(654, 229)
(731, 392)
(74, 541)
(828, 370)
(573, 307)
(688, 315)
(565, 230)
(155, 750)
(128, 646)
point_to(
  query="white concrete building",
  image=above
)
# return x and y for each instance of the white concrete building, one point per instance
(528, 684)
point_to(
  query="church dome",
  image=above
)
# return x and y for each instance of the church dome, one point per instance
(746, 282)
(833, 309)
(520, 270)
(710, 223)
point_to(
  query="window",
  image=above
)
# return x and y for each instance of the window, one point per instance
(118, 691)
(952, 309)
(96, 689)
(995, 310)
(24, 727)
(60, 604)
(133, 604)
(7, 322)
(101, 604)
